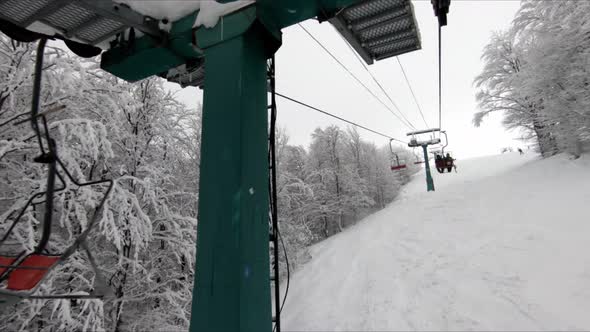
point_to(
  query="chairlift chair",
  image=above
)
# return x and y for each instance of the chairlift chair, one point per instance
(418, 159)
(21, 274)
(444, 161)
(396, 165)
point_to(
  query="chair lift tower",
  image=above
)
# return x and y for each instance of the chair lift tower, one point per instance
(229, 61)
(414, 143)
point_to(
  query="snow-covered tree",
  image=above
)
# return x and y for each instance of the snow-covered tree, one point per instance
(135, 134)
(348, 177)
(499, 91)
(536, 73)
(559, 45)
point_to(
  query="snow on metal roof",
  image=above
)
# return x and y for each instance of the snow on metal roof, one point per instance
(209, 11)
(94, 22)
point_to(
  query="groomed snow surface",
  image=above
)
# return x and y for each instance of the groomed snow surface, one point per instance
(501, 245)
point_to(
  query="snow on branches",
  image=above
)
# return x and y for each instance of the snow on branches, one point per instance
(144, 140)
(536, 73)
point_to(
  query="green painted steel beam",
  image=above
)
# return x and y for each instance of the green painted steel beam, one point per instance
(148, 55)
(232, 281)
(429, 180)
(233, 25)
(140, 61)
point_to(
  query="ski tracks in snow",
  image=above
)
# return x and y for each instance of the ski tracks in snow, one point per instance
(479, 254)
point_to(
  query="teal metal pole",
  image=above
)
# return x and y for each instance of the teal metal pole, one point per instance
(429, 181)
(232, 278)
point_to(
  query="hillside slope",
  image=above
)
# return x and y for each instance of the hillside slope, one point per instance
(501, 245)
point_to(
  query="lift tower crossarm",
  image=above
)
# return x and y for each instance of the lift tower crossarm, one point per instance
(148, 56)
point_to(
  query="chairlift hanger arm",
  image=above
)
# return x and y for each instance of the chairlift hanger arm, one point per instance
(444, 132)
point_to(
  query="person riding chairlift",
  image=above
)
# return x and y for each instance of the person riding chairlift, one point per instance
(439, 162)
(448, 158)
(450, 163)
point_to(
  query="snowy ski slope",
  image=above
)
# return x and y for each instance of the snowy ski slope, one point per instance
(501, 245)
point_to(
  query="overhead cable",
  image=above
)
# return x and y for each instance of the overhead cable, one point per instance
(412, 91)
(407, 124)
(339, 118)
(378, 84)
(439, 76)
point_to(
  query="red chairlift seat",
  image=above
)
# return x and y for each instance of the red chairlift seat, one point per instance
(5, 261)
(21, 278)
(398, 167)
(26, 274)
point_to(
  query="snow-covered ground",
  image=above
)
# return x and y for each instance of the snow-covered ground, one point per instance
(501, 245)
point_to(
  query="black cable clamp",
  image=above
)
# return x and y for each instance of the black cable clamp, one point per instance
(441, 9)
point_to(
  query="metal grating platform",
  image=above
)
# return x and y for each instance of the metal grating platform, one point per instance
(376, 29)
(379, 29)
(87, 21)
(93, 22)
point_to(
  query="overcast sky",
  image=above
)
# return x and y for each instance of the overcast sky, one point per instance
(307, 73)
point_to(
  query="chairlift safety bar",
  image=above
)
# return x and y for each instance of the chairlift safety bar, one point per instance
(415, 143)
(425, 131)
